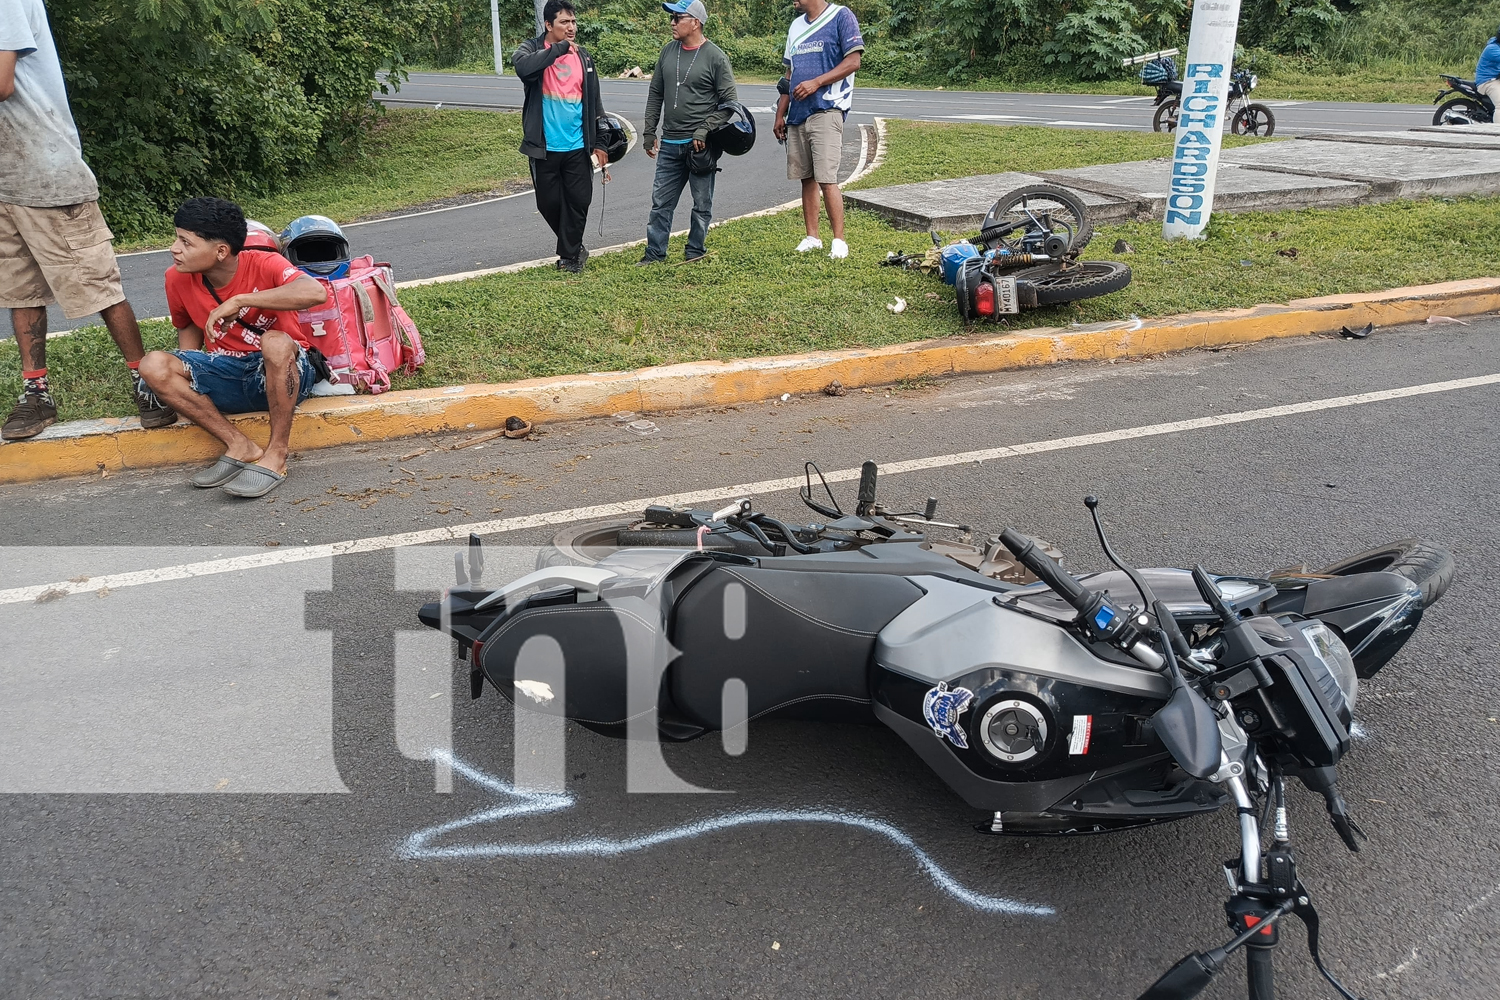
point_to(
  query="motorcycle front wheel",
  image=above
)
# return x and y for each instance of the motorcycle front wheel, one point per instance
(1460, 111)
(1012, 213)
(1254, 119)
(1165, 119)
(1086, 279)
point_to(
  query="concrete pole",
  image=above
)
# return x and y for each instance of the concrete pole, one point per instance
(1201, 120)
(541, 25)
(495, 33)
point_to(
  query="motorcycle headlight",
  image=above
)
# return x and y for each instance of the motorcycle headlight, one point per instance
(1334, 656)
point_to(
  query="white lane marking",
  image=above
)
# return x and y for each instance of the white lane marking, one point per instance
(235, 564)
(991, 118)
(517, 803)
(1448, 926)
(1099, 124)
(1127, 100)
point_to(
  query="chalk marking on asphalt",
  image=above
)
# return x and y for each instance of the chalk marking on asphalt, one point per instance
(1448, 925)
(524, 803)
(235, 564)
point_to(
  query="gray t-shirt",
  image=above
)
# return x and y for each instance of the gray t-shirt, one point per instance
(43, 163)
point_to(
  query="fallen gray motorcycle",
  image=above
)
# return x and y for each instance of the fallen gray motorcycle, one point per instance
(1051, 704)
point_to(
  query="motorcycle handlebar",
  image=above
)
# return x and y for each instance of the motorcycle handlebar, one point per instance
(1053, 575)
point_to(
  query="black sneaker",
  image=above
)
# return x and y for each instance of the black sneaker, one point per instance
(573, 266)
(33, 414)
(650, 260)
(154, 413)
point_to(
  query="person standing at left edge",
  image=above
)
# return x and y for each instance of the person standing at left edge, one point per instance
(557, 121)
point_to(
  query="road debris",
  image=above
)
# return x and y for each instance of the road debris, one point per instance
(1445, 319)
(1123, 247)
(1360, 334)
(835, 388)
(898, 307)
(515, 427)
(1287, 252)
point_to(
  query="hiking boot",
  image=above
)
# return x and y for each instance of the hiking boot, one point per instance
(32, 415)
(154, 413)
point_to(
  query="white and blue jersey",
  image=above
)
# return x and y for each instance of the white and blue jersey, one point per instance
(813, 49)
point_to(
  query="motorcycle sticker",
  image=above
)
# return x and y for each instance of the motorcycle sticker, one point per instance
(1083, 733)
(942, 708)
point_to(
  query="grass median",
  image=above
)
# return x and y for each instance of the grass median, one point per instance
(410, 158)
(754, 296)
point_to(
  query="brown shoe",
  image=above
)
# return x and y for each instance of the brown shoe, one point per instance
(32, 415)
(154, 413)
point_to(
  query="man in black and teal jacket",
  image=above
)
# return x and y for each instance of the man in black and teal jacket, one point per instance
(557, 122)
(689, 87)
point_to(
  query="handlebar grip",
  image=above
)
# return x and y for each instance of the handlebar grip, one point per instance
(1053, 575)
(866, 489)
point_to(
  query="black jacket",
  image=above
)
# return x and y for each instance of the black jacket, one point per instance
(530, 60)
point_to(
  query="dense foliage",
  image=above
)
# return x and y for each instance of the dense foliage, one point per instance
(176, 98)
(968, 41)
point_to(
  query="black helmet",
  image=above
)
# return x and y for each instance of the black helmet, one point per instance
(737, 135)
(611, 136)
(317, 245)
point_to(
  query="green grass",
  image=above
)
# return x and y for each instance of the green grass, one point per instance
(925, 151)
(410, 157)
(754, 296)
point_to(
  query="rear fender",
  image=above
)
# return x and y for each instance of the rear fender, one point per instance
(1374, 613)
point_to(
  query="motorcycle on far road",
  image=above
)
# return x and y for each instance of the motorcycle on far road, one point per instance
(1245, 118)
(1461, 103)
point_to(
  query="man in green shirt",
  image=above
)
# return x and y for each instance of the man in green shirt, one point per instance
(691, 83)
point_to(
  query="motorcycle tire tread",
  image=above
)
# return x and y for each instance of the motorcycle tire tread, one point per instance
(1431, 567)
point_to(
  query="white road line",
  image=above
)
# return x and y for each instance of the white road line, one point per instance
(234, 564)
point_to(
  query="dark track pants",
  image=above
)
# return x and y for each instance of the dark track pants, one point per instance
(564, 184)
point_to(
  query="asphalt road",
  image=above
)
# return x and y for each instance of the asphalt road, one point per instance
(509, 231)
(219, 776)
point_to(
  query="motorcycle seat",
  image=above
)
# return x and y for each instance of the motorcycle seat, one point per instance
(801, 642)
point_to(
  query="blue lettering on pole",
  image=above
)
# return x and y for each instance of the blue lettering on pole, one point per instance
(1193, 138)
(1183, 184)
(1186, 169)
(1190, 153)
(1186, 218)
(1211, 70)
(1185, 201)
(1206, 121)
(1206, 102)
(1200, 86)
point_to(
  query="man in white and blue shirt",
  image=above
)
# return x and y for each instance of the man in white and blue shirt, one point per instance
(823, 51)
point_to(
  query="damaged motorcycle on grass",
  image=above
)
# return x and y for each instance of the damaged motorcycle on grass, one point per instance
(1052, 704)
(1025, 257)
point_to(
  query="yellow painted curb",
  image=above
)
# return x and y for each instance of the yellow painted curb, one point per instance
(119, 443)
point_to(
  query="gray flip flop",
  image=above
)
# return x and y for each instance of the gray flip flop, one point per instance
(219, 473)
(253, 481)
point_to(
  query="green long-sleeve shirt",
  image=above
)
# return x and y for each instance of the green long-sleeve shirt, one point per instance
(688, 109)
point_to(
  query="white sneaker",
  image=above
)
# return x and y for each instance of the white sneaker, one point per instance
(809, 243)
(839, 251)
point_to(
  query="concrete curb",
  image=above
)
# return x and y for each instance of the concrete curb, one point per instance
(108, 445)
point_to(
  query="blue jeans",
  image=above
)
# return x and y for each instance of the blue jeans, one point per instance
(238, 385)
(671, 176)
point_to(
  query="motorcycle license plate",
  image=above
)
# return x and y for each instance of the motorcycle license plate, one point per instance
(1005, 296)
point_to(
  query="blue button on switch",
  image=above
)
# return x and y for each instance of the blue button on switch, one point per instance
(1103, 618)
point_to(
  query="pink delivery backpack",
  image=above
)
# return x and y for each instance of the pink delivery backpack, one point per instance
(362, 330)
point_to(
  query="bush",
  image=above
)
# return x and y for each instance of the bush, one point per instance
(177, 98)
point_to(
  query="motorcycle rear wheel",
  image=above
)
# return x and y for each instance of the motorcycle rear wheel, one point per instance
(1429, 566)
(1254, 119)
(1165, 119)
(1460, 111)
(586, 544)
(1086, 279)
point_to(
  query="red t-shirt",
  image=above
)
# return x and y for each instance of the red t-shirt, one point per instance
(190, 302)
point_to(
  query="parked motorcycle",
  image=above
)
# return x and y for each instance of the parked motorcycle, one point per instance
(1245, 118)
(1070, 705)
(1461, 103)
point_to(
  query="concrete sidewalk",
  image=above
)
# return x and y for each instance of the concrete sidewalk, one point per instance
(1317, 170)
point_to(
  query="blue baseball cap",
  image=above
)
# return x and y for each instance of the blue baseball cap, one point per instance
(692, 8)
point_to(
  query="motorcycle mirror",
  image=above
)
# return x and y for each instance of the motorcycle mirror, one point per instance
(1186, 725)
(476, 558)
(1186, 979)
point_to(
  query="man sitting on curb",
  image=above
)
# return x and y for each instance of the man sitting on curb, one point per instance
(691, 82)
(241, 347)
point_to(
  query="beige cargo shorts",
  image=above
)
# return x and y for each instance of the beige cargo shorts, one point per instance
(61, 255)
(814, 148)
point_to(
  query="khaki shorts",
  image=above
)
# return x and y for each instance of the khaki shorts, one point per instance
(814, 148)
(60, 255)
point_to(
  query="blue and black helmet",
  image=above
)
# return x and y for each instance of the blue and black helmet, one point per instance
(736, 135)
(317, 245)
